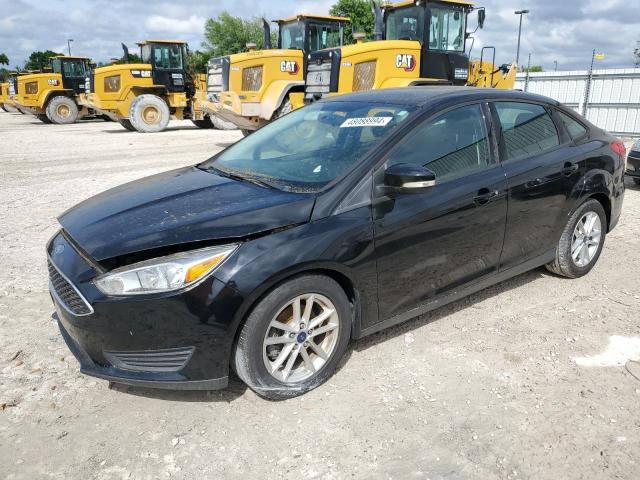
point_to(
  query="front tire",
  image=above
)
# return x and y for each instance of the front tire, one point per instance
(149, 114)
(4, 108)
(581, 241)
(62, 110)
(294, 338)
(43, 118)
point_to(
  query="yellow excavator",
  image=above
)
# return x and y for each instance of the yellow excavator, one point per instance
(416, 42)
(252, 88)
(57, 95)
(144, 96)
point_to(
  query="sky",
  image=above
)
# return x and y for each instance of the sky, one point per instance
(565, 31)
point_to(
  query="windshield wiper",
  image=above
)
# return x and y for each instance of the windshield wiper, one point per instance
(240, 178)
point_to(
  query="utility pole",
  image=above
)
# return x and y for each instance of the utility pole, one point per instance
(69, 40)
(526, 78)
(521, 13)
(587, 87)
(555, 65)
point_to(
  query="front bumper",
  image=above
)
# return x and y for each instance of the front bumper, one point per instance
(633, 164)
(181, 341)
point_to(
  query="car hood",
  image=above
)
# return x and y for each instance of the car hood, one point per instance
(179, 206)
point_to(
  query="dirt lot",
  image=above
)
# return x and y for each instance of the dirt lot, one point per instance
(487, 388)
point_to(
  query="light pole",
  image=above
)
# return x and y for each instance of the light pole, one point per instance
(555, 65)
(521, 13)
(69, 40)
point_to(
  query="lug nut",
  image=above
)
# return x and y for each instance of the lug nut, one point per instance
(301, 326)
(306, 344)
(291, 335)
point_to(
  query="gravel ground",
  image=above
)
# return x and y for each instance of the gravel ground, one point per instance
(488, 387)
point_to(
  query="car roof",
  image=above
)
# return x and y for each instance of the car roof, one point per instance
(423, 95)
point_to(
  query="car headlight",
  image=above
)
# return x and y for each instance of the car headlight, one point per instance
(164, 274)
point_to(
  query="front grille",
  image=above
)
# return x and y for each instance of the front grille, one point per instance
(169, 360)
(364, 76)
(318, 78)
(66, 293)
(251, 79)
(217, 77)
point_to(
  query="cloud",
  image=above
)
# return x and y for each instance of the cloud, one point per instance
(565, 30)
(158, 23)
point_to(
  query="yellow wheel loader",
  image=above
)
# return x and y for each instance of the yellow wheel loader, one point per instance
(4, 95)
(417, 42)
(144, 96)
(252, 88)
(57, 96)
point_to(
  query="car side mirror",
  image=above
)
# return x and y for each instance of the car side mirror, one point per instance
(407, 178)
(482, 15)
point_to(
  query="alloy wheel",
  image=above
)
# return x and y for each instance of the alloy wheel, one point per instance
(301, 338)
(586, 239)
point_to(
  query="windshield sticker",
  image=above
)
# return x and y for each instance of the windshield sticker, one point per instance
(366, 122)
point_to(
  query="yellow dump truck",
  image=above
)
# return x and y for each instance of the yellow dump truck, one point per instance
(144, 96)
(7, 99)
(252, 88)
(56, 96)
(417, 42)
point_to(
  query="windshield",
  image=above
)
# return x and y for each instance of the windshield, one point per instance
(309, 148)
(73, 68)
(292, 36)
(447, 28)
(324, 36)
(405, 24)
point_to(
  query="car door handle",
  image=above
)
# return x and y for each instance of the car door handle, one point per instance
(570, 168)
(485, 196)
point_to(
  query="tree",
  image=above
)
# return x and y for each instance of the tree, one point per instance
(38, 60)
(361, 15)
(533, 68)
(228, 34)
(4, 60)
(197, 61)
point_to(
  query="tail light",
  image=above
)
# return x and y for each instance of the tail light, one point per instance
(618, 147)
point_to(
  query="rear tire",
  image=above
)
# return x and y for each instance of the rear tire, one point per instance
(262, 345)
(285, 108)
(636, 181)
(4, 108)
(206, 122)
(62, 110)
(149, 114)
(43, 118)
(127, 124)
(580, 244)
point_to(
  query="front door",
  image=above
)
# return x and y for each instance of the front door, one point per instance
(451, 234)
(168, 67)
(74, 75)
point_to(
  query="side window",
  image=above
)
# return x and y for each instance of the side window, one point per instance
(575, 128)
(527, 129)
(452, 145)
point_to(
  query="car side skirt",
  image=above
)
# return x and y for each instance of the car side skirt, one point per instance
(457, 294)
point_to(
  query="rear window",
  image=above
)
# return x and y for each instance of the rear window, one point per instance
(527, 129)
(575, 128)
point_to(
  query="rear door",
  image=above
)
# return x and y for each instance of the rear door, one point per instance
(451, 234)
(543, 167)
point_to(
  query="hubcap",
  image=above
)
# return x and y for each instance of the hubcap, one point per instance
(63, 111)
(301, 338)
(586, 239)
(151, 115)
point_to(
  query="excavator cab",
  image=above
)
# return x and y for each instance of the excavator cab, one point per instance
(441, 28)
(309, 33)
(168, 60)
(74, 72)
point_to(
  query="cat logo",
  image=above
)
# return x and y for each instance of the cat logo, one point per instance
(289, 66)
(405, 61)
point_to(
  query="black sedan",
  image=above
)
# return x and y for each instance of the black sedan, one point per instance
(334, 222)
